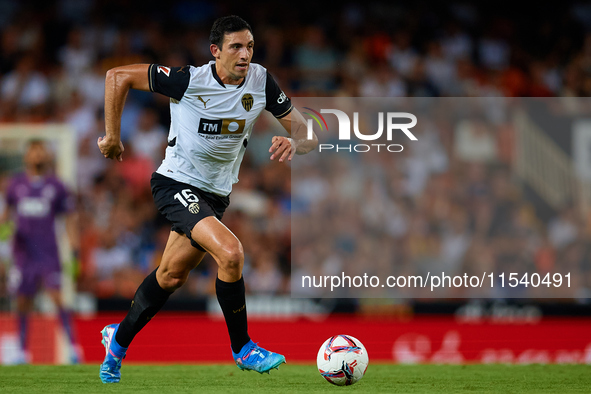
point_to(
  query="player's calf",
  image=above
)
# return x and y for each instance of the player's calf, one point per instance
(147, 301)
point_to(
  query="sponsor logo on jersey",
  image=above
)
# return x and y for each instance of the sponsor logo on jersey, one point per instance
(222, 126)
(165, 70)
(203, 101)
(282, 98)
(33, 207)
(247, 101)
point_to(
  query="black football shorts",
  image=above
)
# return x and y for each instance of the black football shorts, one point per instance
(185, 205)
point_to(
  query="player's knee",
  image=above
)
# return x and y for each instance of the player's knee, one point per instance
(232, 258)
(171, 280)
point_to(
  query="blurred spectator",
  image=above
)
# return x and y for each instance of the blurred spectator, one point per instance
(113, 267)
(122, 52)
(135, 171)
(440, 69)
(75, 57)
(149, 138)
(25, 91)
(264, 276)
(456, 43)
(382, 82)
(493, 52)
(80, 115)
(91, 163)
(474, 142)
(317, 61)
(418, 82)
(403, 57)
(10, 49)
(562, 229)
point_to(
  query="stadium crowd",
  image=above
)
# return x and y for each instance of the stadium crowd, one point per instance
(465, 208)
(449, 202)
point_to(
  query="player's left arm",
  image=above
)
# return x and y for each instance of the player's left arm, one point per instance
(292, 121)
(298, 142)
(73, 231)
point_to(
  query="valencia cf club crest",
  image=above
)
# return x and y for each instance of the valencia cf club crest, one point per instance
(194, 208)
(247, 101)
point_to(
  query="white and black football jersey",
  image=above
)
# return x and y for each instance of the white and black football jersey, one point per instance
(211, 122)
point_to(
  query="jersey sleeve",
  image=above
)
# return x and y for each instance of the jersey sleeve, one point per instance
(64, 200)
(169, 81)
(277, 102)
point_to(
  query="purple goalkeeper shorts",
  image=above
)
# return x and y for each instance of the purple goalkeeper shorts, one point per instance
(28, 279)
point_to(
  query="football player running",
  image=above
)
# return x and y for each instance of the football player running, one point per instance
(213, 109)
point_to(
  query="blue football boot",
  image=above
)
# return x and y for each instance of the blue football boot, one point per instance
(111, 366)
(254, 358)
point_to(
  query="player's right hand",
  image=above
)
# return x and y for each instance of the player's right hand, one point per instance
(111, 149)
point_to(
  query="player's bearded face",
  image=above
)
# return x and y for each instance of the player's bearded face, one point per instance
(236, 53)
(37, 157)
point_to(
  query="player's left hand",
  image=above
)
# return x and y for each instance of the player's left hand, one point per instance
(282, 147)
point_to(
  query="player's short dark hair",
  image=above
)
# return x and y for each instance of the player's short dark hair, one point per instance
(224, 25)
(36, 142)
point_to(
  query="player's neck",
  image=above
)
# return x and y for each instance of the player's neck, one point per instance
(35, 172)
(225, 77)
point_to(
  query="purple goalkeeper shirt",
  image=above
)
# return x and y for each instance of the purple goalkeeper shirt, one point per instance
(36, 202)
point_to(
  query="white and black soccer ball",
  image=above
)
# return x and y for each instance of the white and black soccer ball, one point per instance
(342, 360)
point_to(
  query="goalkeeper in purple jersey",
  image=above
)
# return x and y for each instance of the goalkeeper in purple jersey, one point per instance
(34, 199)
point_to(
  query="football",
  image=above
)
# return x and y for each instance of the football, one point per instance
(342, 360)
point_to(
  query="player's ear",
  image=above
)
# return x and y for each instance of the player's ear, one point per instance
(215, 51)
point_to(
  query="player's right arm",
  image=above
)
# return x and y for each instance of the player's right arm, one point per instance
(6, 226)
(169, 81)
(4, 216)
(117, 84)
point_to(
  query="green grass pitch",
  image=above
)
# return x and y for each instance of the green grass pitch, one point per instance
(298, 379)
